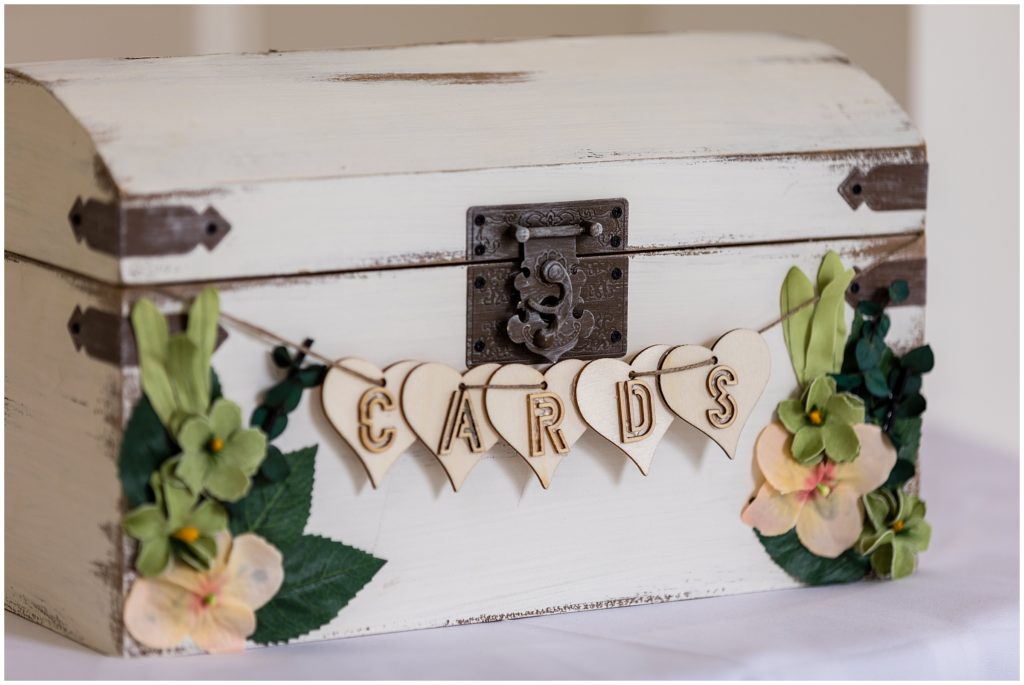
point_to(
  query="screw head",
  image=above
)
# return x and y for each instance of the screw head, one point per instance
(856, 189)
(855, 287)
(479, 346)
(616, 273)
(617, 213)
(615, 241)
(615, 336)
(480, 282)
(479, 220)
(479, 250)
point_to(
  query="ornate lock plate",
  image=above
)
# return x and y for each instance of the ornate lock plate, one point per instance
(546, 282)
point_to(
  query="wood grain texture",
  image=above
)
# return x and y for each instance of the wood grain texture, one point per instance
(369, 417)
(597, 395)
(744, 359)
(62, 499)
(680, 125)
(432, 400)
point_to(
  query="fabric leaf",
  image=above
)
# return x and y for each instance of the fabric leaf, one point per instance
(796, 290)
(145, 446)
(202, 324)
(321, 576)
(278, 511)
(791, 414)
(846, 408)
(189, 378)
(808, 445)
(840, 441)
(828, 329)
(786, 551)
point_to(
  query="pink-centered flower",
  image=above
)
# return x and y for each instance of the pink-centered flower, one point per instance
(823, 501)
(216, 608)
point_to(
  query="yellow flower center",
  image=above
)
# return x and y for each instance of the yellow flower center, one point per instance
(815, 417)
(209, 600)
(216, 445)
(823, 489)
(897, 526)
(187, 534)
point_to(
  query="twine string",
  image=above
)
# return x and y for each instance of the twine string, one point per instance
(261, 332)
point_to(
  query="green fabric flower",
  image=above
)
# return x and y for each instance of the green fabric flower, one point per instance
(218, 455)
(174, 525)
(894, 533)
(822, 423)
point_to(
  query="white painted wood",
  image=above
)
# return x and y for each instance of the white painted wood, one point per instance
(713, 138)
(194, 123)
(62, 500)
(744, 359)
(597, 396)
(387, 433)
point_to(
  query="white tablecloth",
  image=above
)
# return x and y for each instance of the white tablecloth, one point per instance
(958, 617)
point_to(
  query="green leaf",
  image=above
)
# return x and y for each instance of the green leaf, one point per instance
(912, 384)
(786, 551)
(278, 511)
(831, 268)
(285, 395)
(797, 290)
(845, 408)
(867, 355)
(903, 471)
(876, 383)
(904, 559)
(819, 392)
(911, 406)
(145, 522)
(899, 291)
(312, 376)
(321, 576)
(156, 384)
(883, 325)
(146, 445)
(919, 359)
(150, 328)
(153, 557)
(275, 466)
(281, 357)
(906, 435)
(202, 326)
(828, 329)
(847, 381)
(189, 378)
(869, 308)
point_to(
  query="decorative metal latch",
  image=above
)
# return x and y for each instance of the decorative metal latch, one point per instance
(556, 294)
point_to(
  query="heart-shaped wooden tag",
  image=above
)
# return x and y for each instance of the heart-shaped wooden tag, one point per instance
(449, 417)
(625, 408)
(536, 415)
(717, 397)
(368, 416)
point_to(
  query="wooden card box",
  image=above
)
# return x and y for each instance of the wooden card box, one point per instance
(326, 195)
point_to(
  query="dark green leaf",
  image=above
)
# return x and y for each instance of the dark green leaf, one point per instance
(786, 551)
(876, 383)
(899, 291)
(855, 327)
(912, 384)
(883, 325)
(902, 472)
(215, 390)
(145, 446)
(277, 511)
(906, 435)
(275, 465)
(312, 376)
(321, 576)
(285, 395)
(912, 405)
(867, 354)
(847, 381)
(277, 427)
(869, 308)
(282, 358)
(919, 359)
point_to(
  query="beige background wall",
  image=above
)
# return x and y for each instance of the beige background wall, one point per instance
(955, 68)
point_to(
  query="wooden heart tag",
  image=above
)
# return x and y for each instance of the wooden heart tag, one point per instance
(449, 417)
(625, 408)
(717, 397)
(536, 415)
(368, 416)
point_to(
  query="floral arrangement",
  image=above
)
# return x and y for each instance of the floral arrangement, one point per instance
(833, 502)
(219, 513)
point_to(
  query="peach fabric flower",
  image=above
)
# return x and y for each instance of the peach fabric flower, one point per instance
(216, 608)
(821, 500)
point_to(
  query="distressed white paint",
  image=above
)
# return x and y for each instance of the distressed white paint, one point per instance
(347, 175)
